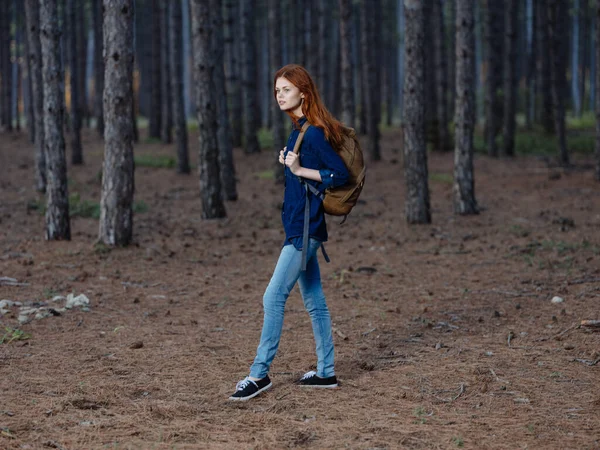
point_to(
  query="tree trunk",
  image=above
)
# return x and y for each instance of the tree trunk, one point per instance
(204, 69)
(75, 130)
(531, 63)
(464, 116)
(27, 83)
(143, 54)
(232, 72)
(370, 76)
(347, 82)
(592, 56)
(166, 134)
(510, 76)
(557, 12)
(116, 204)
(176, 53)
(417, 207)
(81, 42)
(596, 92)
(584, 20)
(544, 69)
(6, 66)
(324, 48)
(440, 74)
(575, 50)
(401, 27)
(155, 120)
(226, 163)
(57, 205)
(98, 67)
(249, 85)
(451, 33)
(312, 52)
(275, 56)
(494, 19)
(431, 101)
(32, 17)
(300, 32)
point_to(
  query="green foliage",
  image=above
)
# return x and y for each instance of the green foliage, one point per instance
(83, 208)
(155, 161)
(265, 138)
(140, 207)
(13, 334)
(587, 121)
(458, 441)
(441, 177)
(266, 175)
(37, 204)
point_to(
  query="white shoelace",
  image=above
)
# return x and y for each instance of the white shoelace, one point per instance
(307, 375)
(241, 385)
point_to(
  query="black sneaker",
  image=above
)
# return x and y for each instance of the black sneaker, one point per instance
(310, 379)
(246, 388)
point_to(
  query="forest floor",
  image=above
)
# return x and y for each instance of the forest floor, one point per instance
(446, 335)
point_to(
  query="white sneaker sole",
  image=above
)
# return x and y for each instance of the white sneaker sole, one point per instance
(245, 399)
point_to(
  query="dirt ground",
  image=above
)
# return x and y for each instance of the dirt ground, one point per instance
(446, 336)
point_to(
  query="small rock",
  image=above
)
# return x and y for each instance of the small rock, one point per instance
(439, 345)
(58, 298)
(568, 346)
(4, 311)
(522, 400)
(80, 300)
(8, 304)
(42, 314)
(137, 344)
(488, 353)
(556, 299)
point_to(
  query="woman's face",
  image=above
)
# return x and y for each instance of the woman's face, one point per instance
(289, 96)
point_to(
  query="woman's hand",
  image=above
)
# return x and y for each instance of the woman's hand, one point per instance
(282, 155)
(292, 161)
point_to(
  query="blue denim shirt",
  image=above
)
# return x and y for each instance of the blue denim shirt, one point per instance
(315, 153)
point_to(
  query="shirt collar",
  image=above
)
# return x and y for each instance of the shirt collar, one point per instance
(301, 122)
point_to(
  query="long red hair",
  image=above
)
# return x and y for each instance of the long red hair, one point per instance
(314, 110)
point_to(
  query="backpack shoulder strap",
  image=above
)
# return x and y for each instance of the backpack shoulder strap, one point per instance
(300, 137)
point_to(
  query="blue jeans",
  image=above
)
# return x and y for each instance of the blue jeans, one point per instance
(287, 272)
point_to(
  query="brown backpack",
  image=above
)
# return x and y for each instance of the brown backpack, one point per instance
(339, 201)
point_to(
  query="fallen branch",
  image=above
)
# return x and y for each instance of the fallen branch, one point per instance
(339, 333)
(590, 323)
(584, 280)
(562, 333)
(588, 362)
(450, 400)
(510, 336)
(498, 379)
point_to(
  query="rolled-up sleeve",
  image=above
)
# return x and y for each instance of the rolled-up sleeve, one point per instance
(333, 170)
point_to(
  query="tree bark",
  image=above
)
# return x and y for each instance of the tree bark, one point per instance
(32, 17)
(232, 70)
(530, 105)
(544, 67)
(176, 53)
(370, 76)
(204, 68)
(440, 74)
(75, 130)
(510, 76)
(98, 67)
(575, 52)
(596, 92)
(6, 66)
(417, 206)
(155, 120)
(116, 204)
(250, 111)
(494, 19)
(57, 203)
(347, 82)
(82, 39)
(300, 32)
(166, 134)
(557, 33)
(275, 57)
(464, 116)
(27, 84)
(226, 163)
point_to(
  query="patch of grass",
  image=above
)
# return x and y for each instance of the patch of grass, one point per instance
(420, 413)
(101, 248)
(519, 231)
(83, 208)
(155, 161)
(586, 121)
(555, 375)
(13, 334)
(49, 292)
(140, 207)
(441, 177)
(458, 441)
(265, 138)
(266, 175)
(38, 205)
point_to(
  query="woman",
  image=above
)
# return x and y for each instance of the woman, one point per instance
(316, 163)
